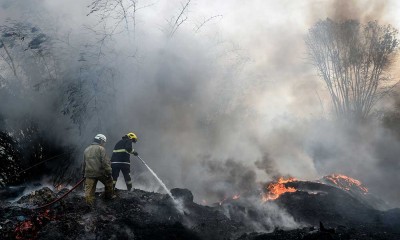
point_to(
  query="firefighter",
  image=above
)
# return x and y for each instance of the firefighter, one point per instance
(120, 159)
(97, 167)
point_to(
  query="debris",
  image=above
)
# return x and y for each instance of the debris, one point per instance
(323, 229)
(139, 214)
(11, 192)
(183, 194)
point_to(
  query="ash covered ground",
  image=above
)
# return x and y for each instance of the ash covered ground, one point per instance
(319, 211)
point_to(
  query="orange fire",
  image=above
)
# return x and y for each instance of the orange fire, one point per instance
(234, 197)
(275, 189)
(345, 182)
(29, 228)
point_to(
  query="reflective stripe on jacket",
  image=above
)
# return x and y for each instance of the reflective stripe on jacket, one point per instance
(122, 150)
(96, 162)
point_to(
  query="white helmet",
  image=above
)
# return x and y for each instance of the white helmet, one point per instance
(101, 137)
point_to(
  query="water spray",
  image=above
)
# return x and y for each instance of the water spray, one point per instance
(159, 180)
(178, 204)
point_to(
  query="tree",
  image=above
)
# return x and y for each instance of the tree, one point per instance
(391, 119)
(353, 59)
(23, 44)
(9, 155)
(112, 13)
(40, 71)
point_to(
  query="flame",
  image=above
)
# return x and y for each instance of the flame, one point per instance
(275, 189)
(223, 200)
(345, 182)
(234, 197)
(29, 229)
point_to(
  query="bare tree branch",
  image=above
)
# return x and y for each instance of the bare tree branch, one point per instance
(116, 11)
(11, 61)
(180, 19)
(198, 27)
(352, 59)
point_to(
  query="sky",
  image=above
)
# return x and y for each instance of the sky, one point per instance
(229, 98)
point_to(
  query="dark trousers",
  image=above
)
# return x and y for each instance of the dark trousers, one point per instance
(126, 171)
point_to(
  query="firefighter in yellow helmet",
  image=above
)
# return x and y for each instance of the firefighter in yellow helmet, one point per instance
(120, 159)
(97, 167)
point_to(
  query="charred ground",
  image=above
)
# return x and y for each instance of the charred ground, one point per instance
(322, 211)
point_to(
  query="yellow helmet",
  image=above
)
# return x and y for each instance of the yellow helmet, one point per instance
(132, 136)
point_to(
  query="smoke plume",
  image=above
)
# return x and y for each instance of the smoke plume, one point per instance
(222, 101)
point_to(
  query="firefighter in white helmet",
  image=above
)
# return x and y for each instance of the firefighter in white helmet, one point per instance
(120, 159)
(97, 167)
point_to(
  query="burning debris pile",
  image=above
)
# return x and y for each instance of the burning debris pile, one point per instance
(274, 190)
(285, 209)
(136, 214)
(336, 200)
(356, 189)
(345, 182)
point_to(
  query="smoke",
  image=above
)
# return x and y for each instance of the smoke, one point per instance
(260, 216)
(222, 180)
(216, 109)
(267, 164)
(363, 11)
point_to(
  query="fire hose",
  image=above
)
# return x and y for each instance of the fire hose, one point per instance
(2, 185)
(80, 182)
(46, 160)
(63, 196)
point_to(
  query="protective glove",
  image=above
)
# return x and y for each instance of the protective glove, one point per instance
(135, 153)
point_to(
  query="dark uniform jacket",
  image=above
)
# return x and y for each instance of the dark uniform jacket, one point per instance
(122, 150)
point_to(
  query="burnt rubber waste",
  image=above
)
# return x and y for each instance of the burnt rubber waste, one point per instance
(321, 212)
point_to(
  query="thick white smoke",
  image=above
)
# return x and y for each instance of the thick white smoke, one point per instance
(224, 106)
